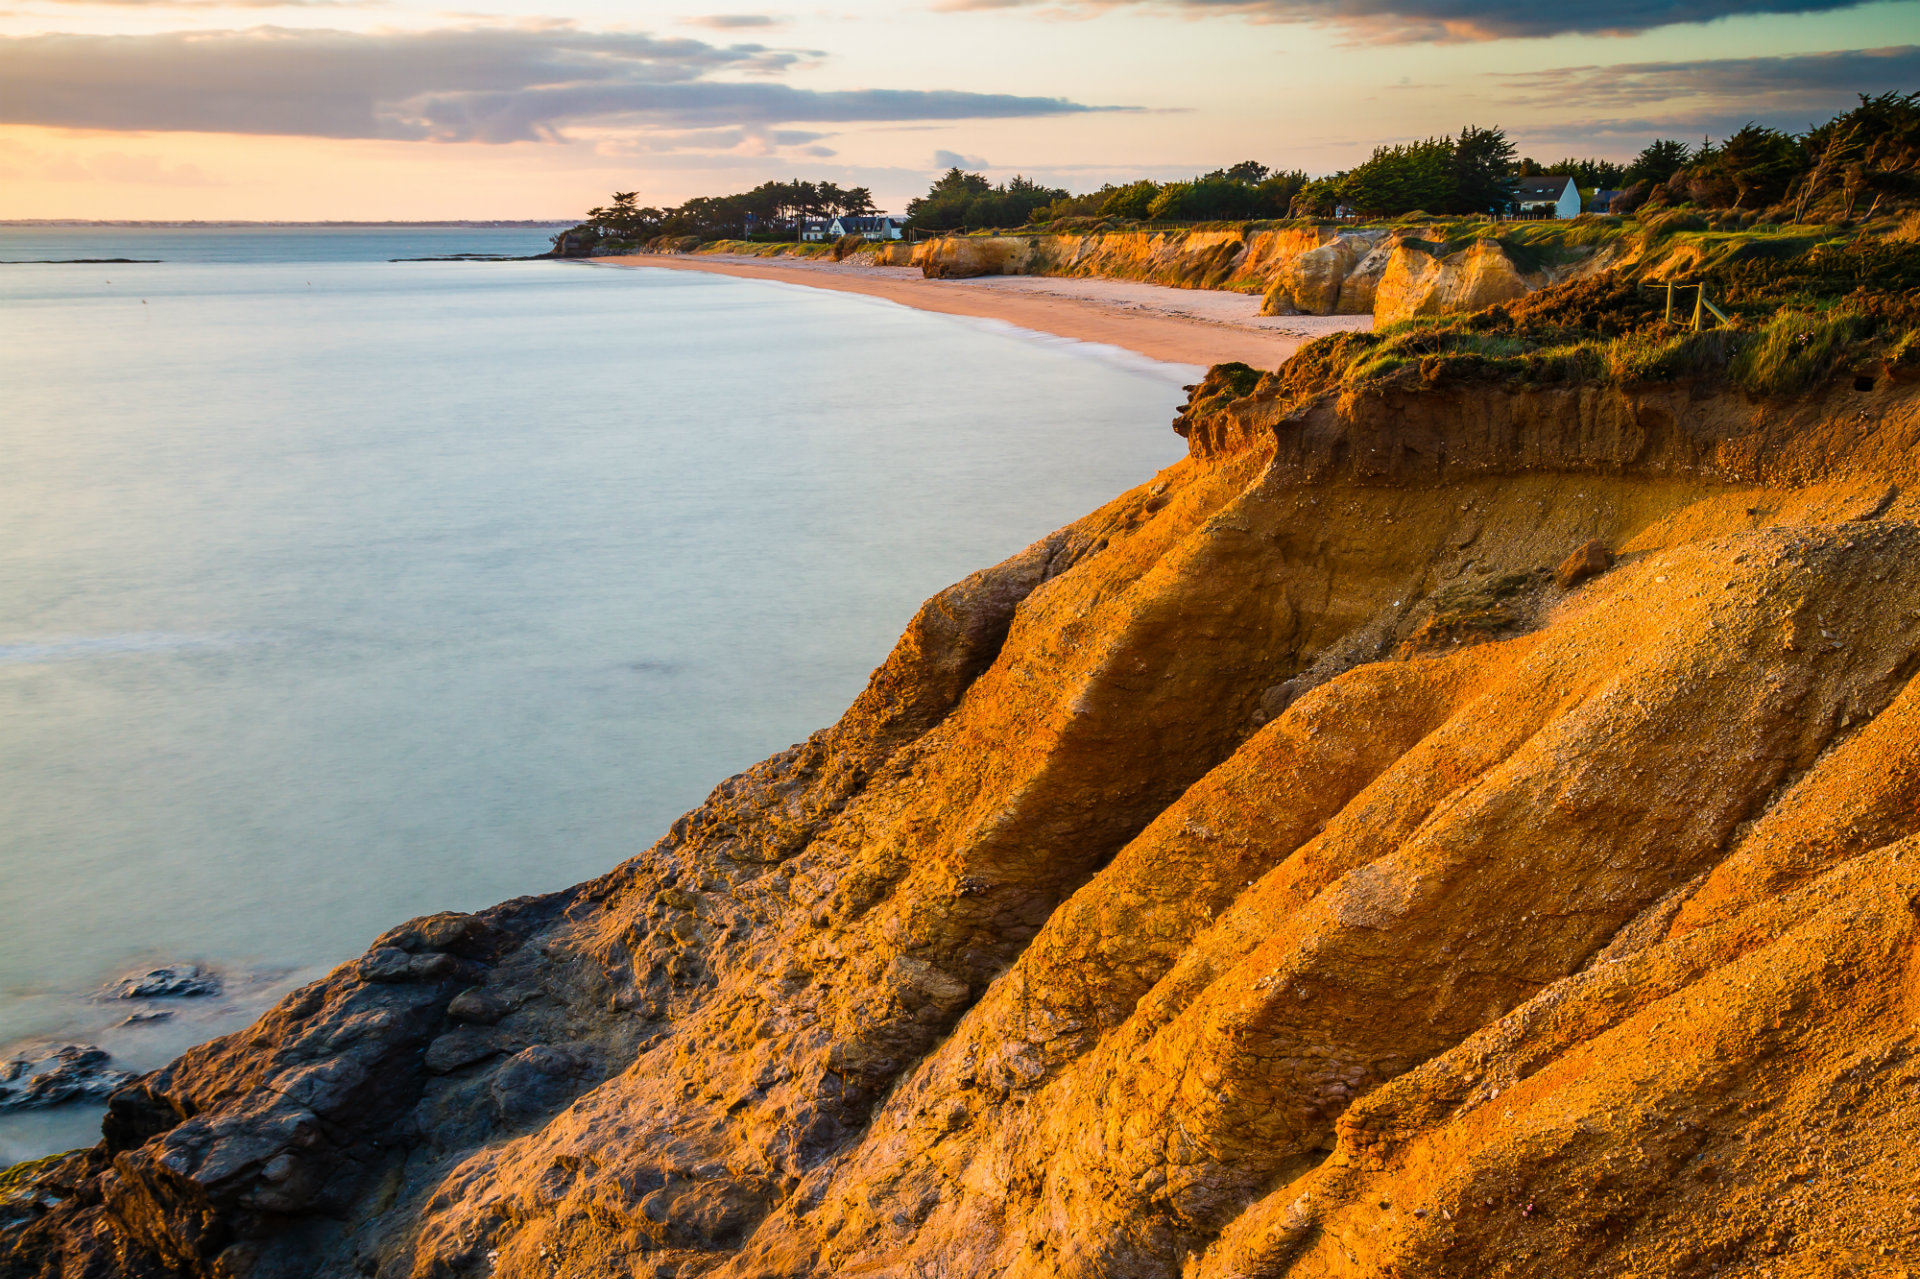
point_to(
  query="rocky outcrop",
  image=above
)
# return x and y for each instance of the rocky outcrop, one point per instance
(1276, 872)
(1419, 282)
(1389, 273)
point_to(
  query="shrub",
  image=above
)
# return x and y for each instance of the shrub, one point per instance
(1797, 350)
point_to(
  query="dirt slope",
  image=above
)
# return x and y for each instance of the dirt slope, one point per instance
(1276, 872)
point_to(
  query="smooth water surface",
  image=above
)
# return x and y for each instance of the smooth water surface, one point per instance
(333, 592)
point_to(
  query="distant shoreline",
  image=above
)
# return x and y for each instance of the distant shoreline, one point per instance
(185, 225)
(1195, 327)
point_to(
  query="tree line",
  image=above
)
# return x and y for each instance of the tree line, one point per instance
(1870, 155)
(773, 209)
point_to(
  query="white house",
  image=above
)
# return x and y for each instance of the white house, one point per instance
(877, 226)
(1547, 197)
(815, 230)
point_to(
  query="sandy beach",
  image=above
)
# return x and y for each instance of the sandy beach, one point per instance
(1180, 326)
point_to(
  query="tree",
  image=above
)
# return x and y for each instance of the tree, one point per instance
(1130, 201)
(1658, 161)
(1759, 163)
(1483, 172)
(1402, 179)
(967, 201)
(1590, 172)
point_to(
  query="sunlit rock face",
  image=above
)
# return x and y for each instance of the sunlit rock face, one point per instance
(1395, 274)
(1292, 868)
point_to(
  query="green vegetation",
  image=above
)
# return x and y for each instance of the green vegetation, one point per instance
(19, 1178)
(1471, 174)
(960, 201)
(1247, 191)
(773, 211)
(1803, 304)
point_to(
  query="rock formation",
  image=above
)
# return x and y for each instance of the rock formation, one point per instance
(1275, 873)
(1392, 273)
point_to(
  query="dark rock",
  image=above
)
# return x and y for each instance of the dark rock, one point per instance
(175, 981)
(146, 1015)
(1590, 560)
(386, 964)
(536, 1081)
(463, 1047)
(72, 1072)
(136, 1114)
(467, 936)
(481, 1007)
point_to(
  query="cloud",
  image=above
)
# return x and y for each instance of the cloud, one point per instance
(1405, 21)
(477, 84)
(954, 160)
(106, 166)
(1795, 81)
(733, 21)
(226, 4)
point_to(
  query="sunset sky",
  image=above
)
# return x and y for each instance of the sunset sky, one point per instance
(374, 109)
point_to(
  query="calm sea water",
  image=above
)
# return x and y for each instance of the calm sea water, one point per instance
(334, 590)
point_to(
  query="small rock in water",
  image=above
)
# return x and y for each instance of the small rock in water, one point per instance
(146, 1015)
(72, 1072)
(175, 981)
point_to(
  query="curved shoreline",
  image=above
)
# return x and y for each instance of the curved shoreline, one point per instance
(1178, 326)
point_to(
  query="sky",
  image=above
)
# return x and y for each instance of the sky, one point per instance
(409, 110)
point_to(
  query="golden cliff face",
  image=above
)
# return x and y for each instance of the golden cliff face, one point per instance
(1388, 274)
(1277, 872)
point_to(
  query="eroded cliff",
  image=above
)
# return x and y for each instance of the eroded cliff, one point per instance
(1391, 273)
(1280, 871)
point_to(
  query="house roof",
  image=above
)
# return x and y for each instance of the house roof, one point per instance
(1550, 188)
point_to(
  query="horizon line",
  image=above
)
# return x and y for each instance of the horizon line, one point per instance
(302, 222)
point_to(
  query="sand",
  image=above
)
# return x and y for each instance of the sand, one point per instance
(1180, 326)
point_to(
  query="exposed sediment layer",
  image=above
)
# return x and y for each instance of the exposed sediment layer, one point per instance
(1276, 872)
(1390, 273)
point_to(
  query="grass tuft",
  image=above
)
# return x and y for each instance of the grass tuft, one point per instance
(1797, 350)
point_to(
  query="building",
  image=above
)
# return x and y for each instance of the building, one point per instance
(1547, 197)
(873, 226)
(817, 229)
(1602, 201)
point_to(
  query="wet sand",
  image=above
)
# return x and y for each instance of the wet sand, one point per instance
(1180, 326)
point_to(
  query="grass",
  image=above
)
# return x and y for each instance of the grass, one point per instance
(1797, 350)
(1804, 304)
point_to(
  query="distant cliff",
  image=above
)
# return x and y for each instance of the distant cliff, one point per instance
(1456, 822)
(1398, 272)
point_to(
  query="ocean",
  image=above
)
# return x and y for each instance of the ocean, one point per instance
(336, 590)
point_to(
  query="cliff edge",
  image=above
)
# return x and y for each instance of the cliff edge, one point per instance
(1436, 828)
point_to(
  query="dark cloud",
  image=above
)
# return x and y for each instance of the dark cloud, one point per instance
(733, 21)
(487, 84)
(1792, 82)
(954, 160)
(1403, 21)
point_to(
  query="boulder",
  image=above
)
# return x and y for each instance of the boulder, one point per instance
(1310, 283)
(71, 1072)
(1588, 560)
(175, 981)
(963, 257)
(1416, 283)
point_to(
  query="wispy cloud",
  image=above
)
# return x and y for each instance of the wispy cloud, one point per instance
(733, 21)
(1406, 21)
(477, 84)
(1813, 80)
(23, 162)
(223, 4)
(954, 160)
